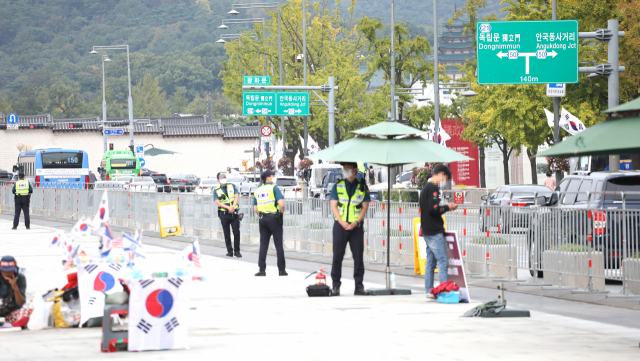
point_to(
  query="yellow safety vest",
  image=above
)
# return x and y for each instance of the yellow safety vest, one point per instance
(266, 199)
(361, 167)
(22, 188)
(223, 198)
(349, 207)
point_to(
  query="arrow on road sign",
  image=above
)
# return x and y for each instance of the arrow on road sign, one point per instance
(298, 111)
(514, 54)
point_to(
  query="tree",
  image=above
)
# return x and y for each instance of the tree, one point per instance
(148, 100)
(178, 100)
(334, 48)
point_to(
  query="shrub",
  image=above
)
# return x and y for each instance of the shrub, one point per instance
(404, 196)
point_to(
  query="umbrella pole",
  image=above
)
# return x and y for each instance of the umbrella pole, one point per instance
(388, 270)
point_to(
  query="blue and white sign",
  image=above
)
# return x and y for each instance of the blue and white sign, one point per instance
(142, 162)
(139, 149)
(113, 132)
(12, 118)
(556, 90)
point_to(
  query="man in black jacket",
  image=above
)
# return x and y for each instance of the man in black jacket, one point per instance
(432, 226)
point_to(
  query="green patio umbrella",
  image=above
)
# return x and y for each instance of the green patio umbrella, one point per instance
(613, 136)
(157, 151)
(392, 144)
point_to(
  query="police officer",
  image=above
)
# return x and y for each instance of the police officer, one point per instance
(22, 191)
(268, 202)
(226, 197)
(349, 204)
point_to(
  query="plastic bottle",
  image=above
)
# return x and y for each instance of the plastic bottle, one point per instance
(393, 280)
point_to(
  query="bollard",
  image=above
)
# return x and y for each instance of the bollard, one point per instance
(624, 293)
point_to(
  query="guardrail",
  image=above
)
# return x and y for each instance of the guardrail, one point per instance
(596, 238)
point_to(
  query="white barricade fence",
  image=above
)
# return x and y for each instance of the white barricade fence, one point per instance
(580, 241)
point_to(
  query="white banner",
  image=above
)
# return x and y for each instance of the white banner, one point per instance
(158, 310)
(96, 280)
(63, 172)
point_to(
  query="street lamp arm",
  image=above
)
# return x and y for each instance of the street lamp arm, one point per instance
(242, 21)
(113, 47)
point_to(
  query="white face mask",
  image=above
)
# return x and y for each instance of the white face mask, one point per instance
(274, 180)
(347, 173)
(223, 181)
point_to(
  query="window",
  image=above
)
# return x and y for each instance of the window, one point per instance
(623, 184)
(123, 164)
(584, 188)
(598, 190)
(283, 182)
(574, 186)
(62, 160)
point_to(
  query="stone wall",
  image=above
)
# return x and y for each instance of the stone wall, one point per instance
(200, 155)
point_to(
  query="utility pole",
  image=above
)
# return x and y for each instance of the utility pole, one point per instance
(556, 101)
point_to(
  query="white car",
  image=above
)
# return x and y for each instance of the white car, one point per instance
(289, 187)
(143, 184)
(207, 186)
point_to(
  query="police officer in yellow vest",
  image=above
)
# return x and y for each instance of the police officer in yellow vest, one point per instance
(226, 196)
(22, 190)
(349, 204)
(268, 202)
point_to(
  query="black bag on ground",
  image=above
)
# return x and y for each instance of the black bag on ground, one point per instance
(318, 291)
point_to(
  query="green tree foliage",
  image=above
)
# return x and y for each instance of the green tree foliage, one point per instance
(148, 99)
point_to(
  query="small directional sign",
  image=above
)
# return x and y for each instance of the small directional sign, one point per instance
(114, 132)
(556, 90)
(258, 103)
(142, 162)
(12, 122)
(527, 52)
(292, 103)
(256, 80)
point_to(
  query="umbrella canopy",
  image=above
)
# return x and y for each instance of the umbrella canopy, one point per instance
(389, 151)
(388, 128)
(631, 106)
(614, 136)
(158, 151)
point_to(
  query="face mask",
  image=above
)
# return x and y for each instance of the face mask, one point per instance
(347, 173)
(223, 181)
(274, 180)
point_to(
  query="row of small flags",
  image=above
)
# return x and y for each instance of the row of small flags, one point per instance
(99, 226)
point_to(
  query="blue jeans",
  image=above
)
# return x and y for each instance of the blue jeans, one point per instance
(436, 253)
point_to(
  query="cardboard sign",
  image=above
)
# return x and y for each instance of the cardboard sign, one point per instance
(169, 219)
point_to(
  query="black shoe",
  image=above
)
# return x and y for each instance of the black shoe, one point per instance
(28, 227)
(14, 228)
(283, 273)
(335, 291)
(261, 274)
(229, 254)
(360, 292)
(237, 254)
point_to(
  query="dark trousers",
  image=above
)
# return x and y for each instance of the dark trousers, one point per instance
(22, 203)
(268, 227)
(355, 238)
(229, 223)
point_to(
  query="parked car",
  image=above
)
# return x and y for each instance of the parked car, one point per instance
(143, 184)
(161, 181)
(567, 219)
(184, 182)
(244, 185)
(404, 178)
(316, 176)
(504, 217)
(125, 181)
(206, 186)
(330, 179)
(5, 176)
(291, 190)
(110, 186)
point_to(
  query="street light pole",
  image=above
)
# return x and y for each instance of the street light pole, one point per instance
(556, 100)
(104, 104)
(304, 71)
(393, 64)
(436, 77)
(130, 100)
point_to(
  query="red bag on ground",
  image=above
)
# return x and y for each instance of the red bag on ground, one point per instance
(445, 287)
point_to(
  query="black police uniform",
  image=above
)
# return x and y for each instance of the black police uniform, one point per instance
(22, 203)
(230, 221)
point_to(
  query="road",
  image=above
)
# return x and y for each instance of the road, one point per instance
(236, 315)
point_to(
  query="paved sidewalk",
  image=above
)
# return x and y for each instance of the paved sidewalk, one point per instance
(239, 316)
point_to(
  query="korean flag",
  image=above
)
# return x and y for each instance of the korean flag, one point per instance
(95, 281)
(158, 310)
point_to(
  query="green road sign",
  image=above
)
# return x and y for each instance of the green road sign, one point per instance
(256, 80)
(527, 52)
(292, 103)
(258, 103)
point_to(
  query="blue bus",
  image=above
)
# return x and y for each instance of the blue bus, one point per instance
(55, 167)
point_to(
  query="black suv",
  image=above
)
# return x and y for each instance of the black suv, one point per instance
(159, 179)
(5, 177)
(184, 182)
(568, 217)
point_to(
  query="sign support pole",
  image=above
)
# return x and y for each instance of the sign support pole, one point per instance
(436, 77)
(556, 100)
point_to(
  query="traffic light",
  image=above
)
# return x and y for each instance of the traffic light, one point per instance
(36, 126)
(110, 146)
(75, 125)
